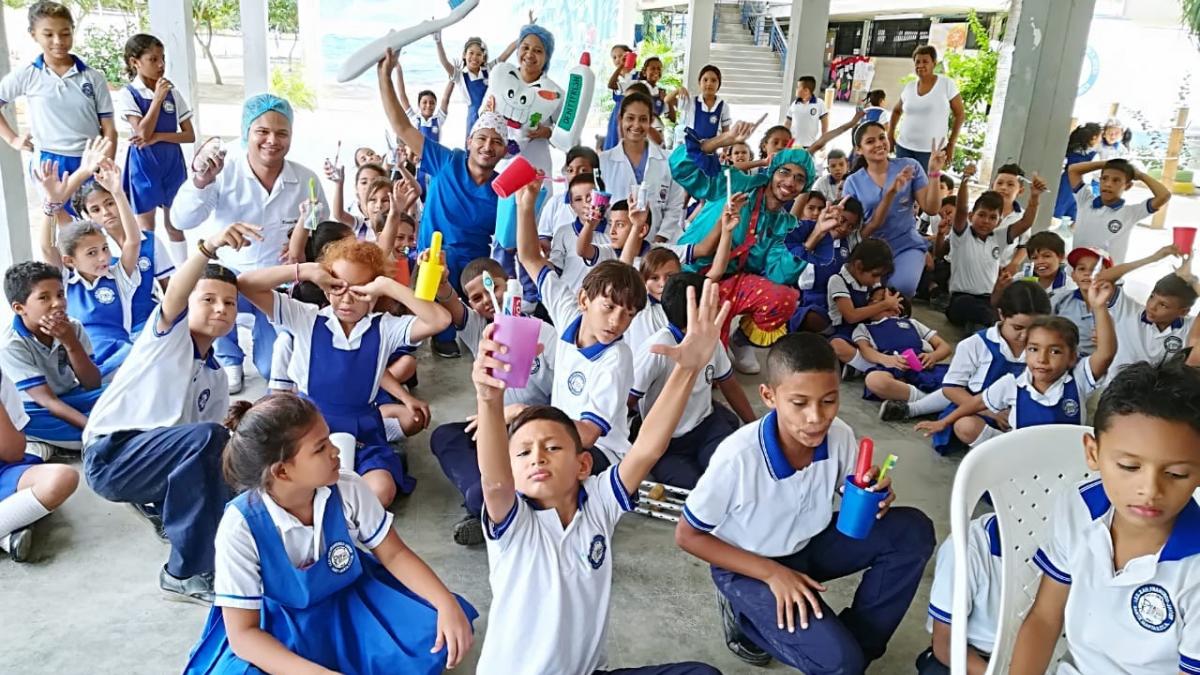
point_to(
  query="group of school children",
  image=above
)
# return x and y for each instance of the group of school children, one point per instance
(276, 510)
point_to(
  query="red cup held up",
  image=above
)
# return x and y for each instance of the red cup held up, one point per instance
(515, 176)
(1185, 238)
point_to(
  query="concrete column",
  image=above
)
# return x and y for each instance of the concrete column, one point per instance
(700, 19)
(171, 21)
(14, 209)
(807, 31)
(1036, 83)
(628, 17)
(255, 65)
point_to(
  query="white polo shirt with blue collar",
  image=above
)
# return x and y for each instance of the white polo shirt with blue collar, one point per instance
(64, 111)
(591, 384)
(651, 372)
(571, 267)
(806, 120)
(985, 566)
(552, 582)
(752, 498)
(1138, 339)
(1107, 227)
(1143, 618)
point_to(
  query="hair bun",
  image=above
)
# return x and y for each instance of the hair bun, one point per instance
(237, 411)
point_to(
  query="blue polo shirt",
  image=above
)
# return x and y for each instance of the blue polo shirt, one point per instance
(465, 213)
(899, 228)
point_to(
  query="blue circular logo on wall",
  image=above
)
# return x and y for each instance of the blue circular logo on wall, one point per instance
(1090, 72)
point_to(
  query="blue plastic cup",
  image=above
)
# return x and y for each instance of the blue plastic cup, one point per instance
(859, 508)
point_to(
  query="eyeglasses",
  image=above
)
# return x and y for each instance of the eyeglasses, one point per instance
(784, 172)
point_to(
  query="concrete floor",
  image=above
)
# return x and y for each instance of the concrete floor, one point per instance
(90, 603)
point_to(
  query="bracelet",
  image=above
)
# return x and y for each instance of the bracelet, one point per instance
(204, 250)
(50, 208)
(449, 295)
(935, 174)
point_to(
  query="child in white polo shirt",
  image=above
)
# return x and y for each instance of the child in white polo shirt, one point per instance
(29, 489)
(453, 443)
(984, 569)
(705, 423)
(1122, 559)
(807, 117)
(1009, 182)
(763, 516)
(1055, 385)
(1162, 327)
(976, 251)
(1107, 221)
(593, 367)
(570, 266)
(550, 525)
(69, 102)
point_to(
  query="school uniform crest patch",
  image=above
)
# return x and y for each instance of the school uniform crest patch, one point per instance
(709, 372)
(168, 107)
(88, 90)
(712, 119)
(1152, 608)
(202, 399)
(995, 252)
(1173, 344)
(1070, 407)
(144, 264)
(597, 551)
(1114, 226)
(105, 296)
(537, 365)
(340, 556)
(576, 383)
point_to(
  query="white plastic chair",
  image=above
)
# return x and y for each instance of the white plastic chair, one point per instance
(1024, 471)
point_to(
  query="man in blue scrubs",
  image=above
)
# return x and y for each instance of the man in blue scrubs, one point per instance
(459, 200)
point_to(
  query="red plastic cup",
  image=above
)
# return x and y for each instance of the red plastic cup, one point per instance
(1185, 238)
(515, 176)
(630, 60)
(520, 335)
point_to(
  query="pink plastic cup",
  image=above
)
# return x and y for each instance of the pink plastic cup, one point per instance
(520, 335)
(1185, 238)
(913, 360)
(515, 176)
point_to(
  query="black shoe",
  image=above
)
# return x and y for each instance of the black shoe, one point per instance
(19, 544)
(893, 411)
(447, 349)
(197, 589)
(411, 382)
(468, 532)
(150, 515)
(735, 640)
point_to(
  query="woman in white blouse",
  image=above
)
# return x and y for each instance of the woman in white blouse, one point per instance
(926, 105)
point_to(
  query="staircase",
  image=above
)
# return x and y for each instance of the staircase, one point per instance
(750, 75)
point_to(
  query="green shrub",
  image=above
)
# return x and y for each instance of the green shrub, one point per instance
(290, 84)
(104, 50)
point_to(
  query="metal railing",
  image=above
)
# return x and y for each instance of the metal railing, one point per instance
(778, 41)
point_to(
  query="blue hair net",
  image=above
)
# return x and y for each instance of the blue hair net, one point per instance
(257, 106)
(542, 34)
(800, 158)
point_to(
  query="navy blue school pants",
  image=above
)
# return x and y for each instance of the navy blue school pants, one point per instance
(927, 664)
(229, 352)
(686, 668)
(894, 557)
(687, 456)
(457, 455)
(178, 470)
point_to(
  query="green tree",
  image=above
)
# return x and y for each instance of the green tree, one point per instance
(213, 15)
(1191, 16)
(283, 18)
(975, 75)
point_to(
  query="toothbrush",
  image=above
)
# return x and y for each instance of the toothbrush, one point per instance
(888, 465)
(490, 287)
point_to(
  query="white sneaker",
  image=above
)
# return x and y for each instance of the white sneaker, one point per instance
(40, 449)
(237, 378)
(744, 358)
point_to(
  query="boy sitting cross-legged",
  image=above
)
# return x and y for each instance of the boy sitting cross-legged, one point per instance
(549, 525)
(762, 515)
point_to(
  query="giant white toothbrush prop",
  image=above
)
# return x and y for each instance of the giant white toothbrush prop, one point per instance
(369, 55)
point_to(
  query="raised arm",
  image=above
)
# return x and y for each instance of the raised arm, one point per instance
(432, 318)
(690, 356)
(828, 134)
(931, 199)
(258, 286)
(879, 215)
(441, 53)
(730, 218)
(1160, 195)
(491, 435)
(584, 248)
(1099, 296)
(637, 233)
(508, 51)
(962, 204)
(401, 88)
(446, 92)
(1115, 272)
(175, 299)
(109, 177)
(1078, 170)
(397, 118)
(528, 251)
(1036, 187)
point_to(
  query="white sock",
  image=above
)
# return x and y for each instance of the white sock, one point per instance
(859, 363)
(987, 433)
(19, 510)
(178, 250)
(914, 394)
(928, 404)
(391, 426)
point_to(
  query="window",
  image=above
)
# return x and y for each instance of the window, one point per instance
(847, 37)
(898, 38)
